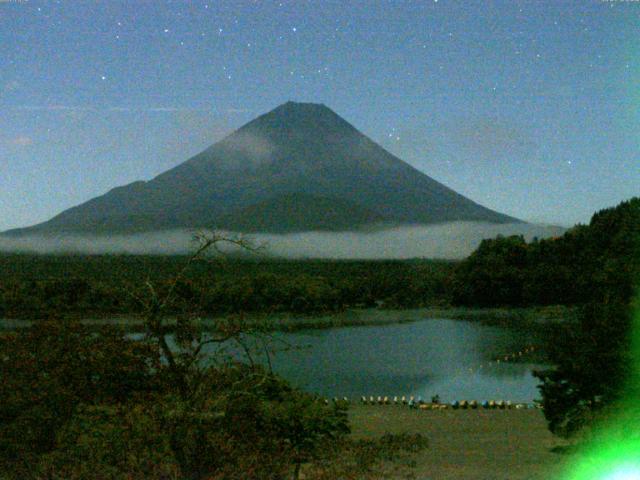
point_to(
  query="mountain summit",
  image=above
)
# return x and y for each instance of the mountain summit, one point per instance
(298, 167)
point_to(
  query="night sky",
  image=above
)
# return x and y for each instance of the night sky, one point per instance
(529, 108)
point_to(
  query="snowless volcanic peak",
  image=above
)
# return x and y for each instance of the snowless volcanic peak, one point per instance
(296, 168)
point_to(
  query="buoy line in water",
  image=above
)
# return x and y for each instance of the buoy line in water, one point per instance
(499, 360)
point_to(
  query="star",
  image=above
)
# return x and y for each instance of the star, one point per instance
(294, 29)
(103, 77)
(166, 30)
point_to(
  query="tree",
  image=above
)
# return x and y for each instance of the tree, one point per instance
(75, 403)
(48, 371)
(204, 395)
(592, 360)
(493, 274)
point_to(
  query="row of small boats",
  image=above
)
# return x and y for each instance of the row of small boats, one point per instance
(435, 404)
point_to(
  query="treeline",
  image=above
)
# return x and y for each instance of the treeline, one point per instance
(571, 269)
(39, 286)
(595, 267)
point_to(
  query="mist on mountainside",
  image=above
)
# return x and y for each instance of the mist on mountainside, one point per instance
(444, 241)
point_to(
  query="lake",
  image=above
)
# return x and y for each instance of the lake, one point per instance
(451, 358)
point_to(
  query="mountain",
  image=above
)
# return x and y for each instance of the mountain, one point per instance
(299, 167)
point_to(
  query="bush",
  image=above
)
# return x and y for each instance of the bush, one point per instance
(48, 371)
(76, 404)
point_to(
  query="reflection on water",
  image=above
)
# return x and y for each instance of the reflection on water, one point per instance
(422, 359)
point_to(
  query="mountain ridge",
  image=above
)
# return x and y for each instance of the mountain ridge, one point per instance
(302, 149)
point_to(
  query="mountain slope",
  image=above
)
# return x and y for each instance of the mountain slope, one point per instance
(298, 151)
(299, 212)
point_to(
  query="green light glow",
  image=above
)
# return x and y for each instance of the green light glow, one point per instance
(617, 461)
(614, 453)
(627, 472)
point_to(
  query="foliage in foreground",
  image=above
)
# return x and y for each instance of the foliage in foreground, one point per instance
(76, 404)
(81, 405)
(593, 357)
(592, 361)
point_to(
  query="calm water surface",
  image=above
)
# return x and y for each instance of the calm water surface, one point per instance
(451, 358)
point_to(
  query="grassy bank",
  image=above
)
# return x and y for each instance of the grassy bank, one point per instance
(469, 444)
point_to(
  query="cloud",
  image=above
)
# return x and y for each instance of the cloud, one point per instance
(255, 148)
(445, 241)
(451, 240)
(124, 109)
(11, 86)
(50, 108)
(19, 141)
(22, 141)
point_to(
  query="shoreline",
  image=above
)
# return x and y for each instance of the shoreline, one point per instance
(529, 318)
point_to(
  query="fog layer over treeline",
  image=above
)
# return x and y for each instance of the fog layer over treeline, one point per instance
(445, 241)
